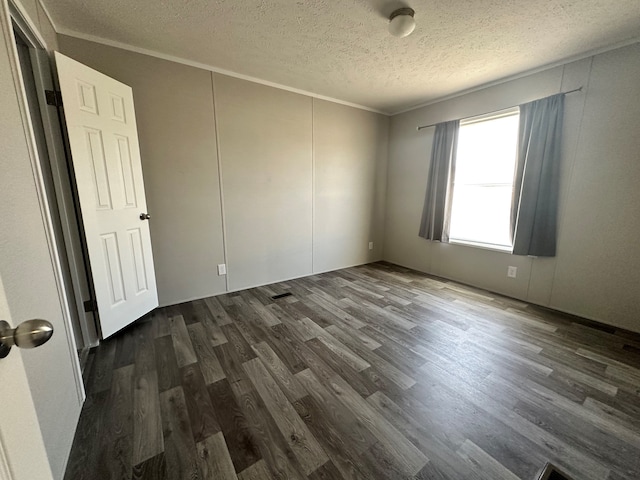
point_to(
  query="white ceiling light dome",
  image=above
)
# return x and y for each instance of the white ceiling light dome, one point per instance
(401, 22)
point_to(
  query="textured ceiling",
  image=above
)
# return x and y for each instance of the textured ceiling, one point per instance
(342, 49)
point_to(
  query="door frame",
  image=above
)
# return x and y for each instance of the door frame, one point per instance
(8, 11)
(73, 255)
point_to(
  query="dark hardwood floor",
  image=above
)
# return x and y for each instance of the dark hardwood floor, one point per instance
(373, 372)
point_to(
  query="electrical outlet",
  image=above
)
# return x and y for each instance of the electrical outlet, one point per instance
(512, 272)
(222, 269)
(370, 245)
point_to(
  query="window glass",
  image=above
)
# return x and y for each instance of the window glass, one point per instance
(483, 181)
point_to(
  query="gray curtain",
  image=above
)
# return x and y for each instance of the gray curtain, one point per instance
(534, 205)
(437, 201)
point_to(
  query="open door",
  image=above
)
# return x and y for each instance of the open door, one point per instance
(103, 137)
(41, 394)
(18, 418)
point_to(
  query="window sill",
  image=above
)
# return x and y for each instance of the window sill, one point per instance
(483, 246)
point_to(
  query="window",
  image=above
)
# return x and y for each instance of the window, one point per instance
(483, 180)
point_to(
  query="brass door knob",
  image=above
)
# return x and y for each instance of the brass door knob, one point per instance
(29, 334)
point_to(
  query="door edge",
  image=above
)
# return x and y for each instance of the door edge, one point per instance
(7, 12)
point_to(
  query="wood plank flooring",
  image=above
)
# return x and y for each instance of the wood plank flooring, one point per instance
(372, 372)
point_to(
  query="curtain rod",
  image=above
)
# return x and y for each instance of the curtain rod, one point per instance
(579, 89)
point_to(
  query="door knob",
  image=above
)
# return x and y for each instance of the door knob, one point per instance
(29, 334)
(145, 216)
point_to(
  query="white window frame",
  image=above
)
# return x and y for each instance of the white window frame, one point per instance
(468, 121)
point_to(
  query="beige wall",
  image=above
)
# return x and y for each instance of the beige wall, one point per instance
(303, 180)
(596, 273)
(350, 149)
(598, 269)
(265, 151)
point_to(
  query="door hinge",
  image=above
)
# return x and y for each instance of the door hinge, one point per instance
(53, 98)
(90, 306)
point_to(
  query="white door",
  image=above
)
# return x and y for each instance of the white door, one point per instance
(102, 131)
(41, 389)
(18, 419)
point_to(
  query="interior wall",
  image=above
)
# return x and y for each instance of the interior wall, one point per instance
(275, 184)
(265, 151)
(350, 150)
(596, 272)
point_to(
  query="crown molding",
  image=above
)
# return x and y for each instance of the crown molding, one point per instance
(211, 68)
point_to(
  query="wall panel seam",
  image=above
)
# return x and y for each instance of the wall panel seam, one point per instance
(571, 170)
(220, 187)
(313, 187)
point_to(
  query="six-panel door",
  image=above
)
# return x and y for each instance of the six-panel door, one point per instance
(101, 123)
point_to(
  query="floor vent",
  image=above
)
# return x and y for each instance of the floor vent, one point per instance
(551, 472)
(282, 295)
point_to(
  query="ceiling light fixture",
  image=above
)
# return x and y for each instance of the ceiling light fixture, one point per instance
(401, 22)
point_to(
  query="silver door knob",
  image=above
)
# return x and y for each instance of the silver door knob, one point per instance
(29, 334)
(145, 216)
